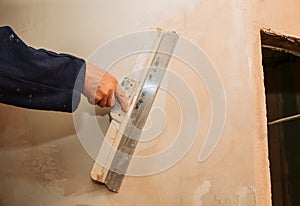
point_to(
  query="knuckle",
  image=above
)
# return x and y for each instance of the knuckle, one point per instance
(97, 99)
(104, 93)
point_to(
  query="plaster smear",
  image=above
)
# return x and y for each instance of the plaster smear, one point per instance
(237, 58)
(247, 195)
(201, 191)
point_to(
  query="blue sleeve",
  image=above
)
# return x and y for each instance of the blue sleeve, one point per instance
(38, 79)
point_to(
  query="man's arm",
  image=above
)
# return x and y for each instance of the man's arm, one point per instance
(41, 79)
(38, 79)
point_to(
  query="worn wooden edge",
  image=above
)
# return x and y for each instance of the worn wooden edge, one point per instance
(280, 42)
(98, 172)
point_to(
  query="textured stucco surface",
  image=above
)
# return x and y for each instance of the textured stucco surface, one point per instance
(43, 163)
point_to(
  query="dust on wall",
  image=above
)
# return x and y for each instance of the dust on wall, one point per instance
(42, 159)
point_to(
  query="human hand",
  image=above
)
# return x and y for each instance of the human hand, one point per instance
(100, 88)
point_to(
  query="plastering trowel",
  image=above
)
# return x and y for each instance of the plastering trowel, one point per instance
(126, 128)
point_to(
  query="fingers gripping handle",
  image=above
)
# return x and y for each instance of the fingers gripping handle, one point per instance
(129, 86)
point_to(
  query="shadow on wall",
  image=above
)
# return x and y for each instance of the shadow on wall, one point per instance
(23, 128)
(41, 157)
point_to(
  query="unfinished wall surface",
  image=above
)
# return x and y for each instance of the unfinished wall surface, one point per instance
(41, 159)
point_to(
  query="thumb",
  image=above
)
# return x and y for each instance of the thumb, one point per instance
(122, 98)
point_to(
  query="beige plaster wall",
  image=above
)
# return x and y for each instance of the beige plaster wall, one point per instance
(43, 163)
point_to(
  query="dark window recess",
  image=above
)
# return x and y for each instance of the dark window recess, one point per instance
(281, 62)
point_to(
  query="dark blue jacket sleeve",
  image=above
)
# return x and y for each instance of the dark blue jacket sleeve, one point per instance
(38, 79)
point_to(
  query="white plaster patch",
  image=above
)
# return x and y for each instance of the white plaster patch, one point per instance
(200, 192)
(247, 195)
